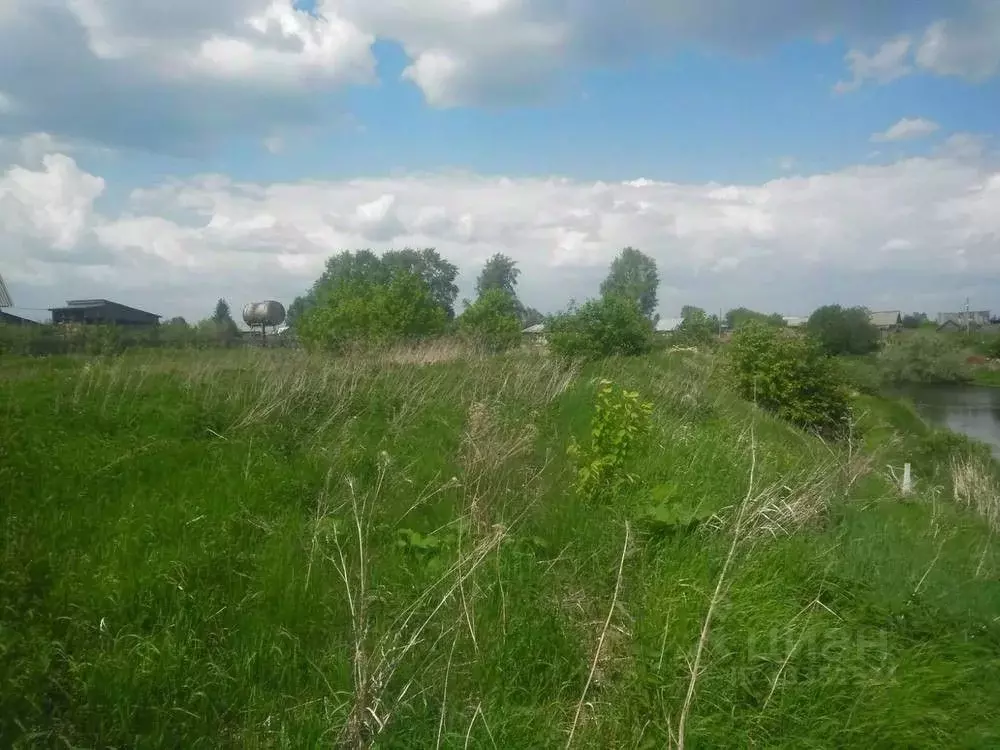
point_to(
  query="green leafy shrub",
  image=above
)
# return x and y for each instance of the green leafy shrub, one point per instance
(601, 328)
(697, 329)
(861, 373)
(740, 316)
(790, 376)
(923, 358)
(492, 321)
(358, 310)
(621, 419)
(843, 330)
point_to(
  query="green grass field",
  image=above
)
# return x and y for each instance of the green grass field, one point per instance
(262, 550)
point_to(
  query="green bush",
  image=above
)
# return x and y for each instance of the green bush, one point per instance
(358, 310)
(923, 358)
(621, 419)
(492, 321)
(52, 340)
(843, 331)
(698, 329)
(861, 373)
(790, 376)
(601, 328)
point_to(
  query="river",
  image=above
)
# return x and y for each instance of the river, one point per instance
(969, 409)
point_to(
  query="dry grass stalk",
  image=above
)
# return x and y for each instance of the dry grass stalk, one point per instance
(975, 487)
(600, 641)
(377, 660)
(717, 596)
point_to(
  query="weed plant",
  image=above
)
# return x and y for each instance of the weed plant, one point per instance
(253, 549)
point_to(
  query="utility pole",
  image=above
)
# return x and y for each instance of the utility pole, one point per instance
(968, 322)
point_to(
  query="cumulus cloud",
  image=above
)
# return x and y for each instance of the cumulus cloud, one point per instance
(175, 76)
(171, 76)
(909, 234)
(965, 44)
(887, 63)
(909, 128)
(969, 48)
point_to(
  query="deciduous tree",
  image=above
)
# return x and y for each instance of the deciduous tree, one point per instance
(633, 275)
(843, 330)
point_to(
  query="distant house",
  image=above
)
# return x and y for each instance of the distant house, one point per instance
(668, 325)
(951, 326)
(795, 321)
(960, 320)
(535, 334)
(887, 321)
(102, 311)
(15, 320)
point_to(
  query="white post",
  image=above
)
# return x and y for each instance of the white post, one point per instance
(907, 480)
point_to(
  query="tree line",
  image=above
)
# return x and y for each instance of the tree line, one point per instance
(410, 294)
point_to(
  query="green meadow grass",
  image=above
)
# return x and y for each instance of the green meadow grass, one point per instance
(263, 550)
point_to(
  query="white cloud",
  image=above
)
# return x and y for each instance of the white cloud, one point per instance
(968, 47)
(964, 44)
(274, 144)
(176, 75)
(908, 128)
(173, 76)
(908, 234)
(964, 147)
(886, 64)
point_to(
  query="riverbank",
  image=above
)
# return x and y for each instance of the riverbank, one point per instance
(986, 377)
(256, 549)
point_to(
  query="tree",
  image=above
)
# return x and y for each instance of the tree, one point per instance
(365, 266)
(221, 315)
(741, 315)
(356, 309)
(843, 330)
(790, 376)
(492, 321)
(601, 328)
(633, 275)
(499, 272)
(220, 326)
(436, 272)
(914, 320)
(697, 328)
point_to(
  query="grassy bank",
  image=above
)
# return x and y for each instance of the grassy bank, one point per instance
(258, 549)
(987, 377)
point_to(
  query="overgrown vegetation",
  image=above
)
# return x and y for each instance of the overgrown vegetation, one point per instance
(601, 328)
(922, 358)
(697, 328)
(349, 311)
(492, 321)
(620, 422)
(265, 549)
(790, 376)
(843, 330)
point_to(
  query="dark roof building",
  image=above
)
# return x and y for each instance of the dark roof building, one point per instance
(15, 320)
(102, 311)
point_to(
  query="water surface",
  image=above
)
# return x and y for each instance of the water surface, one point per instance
(972, 410)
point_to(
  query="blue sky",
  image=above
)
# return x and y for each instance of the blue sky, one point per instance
(228, 149)
(694, 117)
